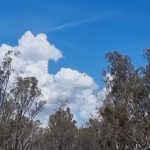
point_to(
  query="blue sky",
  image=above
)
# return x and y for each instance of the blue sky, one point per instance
(83, 30)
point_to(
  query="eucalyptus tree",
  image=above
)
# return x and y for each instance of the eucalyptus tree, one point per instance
(62, 130)
(125, 120)
(19, 106)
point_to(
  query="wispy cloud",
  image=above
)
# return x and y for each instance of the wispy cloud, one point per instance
(87, 20)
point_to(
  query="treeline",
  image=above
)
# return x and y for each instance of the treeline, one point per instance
(122, 123)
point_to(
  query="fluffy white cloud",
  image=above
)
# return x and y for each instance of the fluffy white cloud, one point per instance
(67, 83)
(37, 48)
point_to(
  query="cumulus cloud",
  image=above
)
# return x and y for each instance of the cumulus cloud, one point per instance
(37, 48)
(76, 87)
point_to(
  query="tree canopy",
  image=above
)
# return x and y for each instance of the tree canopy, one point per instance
(122, 121)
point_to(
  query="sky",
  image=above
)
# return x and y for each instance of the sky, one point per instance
(76, 36)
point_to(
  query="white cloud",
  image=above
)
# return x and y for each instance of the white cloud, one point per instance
(37, 48)
(67, 83)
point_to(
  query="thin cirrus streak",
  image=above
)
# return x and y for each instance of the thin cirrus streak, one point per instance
(81, 22)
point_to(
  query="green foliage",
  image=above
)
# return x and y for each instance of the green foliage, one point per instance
(123, 121)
